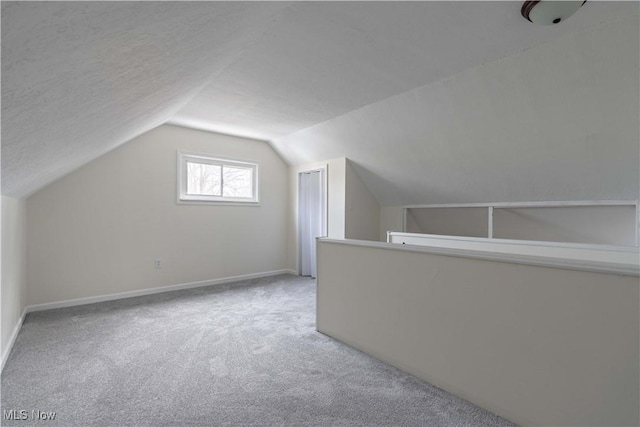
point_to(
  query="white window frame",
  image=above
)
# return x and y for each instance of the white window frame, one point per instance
(183, 197)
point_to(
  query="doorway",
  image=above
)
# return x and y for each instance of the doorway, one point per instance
(312, 218)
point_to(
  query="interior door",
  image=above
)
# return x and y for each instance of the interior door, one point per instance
(311, 218)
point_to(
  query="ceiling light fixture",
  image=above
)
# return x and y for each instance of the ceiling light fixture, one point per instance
(548, 12)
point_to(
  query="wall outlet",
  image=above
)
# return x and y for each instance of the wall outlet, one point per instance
(158, 263)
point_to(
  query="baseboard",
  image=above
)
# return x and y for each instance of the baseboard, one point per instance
(130, 294)
(150, 291)
(12, 340)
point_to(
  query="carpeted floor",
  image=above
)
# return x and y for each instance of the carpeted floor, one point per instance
(245, 354)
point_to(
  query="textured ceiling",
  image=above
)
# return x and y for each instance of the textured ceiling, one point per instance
(373, 81)
(324, 59)
(81, 78)
(559, 121)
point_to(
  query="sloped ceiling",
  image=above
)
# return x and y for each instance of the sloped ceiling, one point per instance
(433, 101)
(81, 78)
(559, 121)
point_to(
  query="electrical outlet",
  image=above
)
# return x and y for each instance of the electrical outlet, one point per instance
(158, 264)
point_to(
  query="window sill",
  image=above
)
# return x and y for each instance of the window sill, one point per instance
(217, 203)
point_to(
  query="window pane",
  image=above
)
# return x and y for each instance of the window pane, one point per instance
(238, 182)
(203, 179)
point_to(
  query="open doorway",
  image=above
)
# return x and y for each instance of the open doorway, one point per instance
(312, 217)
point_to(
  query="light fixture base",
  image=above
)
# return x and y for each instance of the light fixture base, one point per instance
(549, 12)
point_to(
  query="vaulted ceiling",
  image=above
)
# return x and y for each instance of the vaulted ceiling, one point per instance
(432, 101)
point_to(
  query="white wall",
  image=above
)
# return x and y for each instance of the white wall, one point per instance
(607, 259)
(390, 220)
(13, 268)
(452, 221)
(336, 194)
(352, 211)
(362, 215)
(98, 230)
(536, 345)
(608, 225)
(336, 204)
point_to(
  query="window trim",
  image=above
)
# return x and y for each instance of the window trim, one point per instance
(183, 158)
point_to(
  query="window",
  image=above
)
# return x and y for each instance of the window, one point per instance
(205, 179)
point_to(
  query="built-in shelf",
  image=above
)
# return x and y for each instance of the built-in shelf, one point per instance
(492, 207)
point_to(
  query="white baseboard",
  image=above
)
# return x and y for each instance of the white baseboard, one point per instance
(130, 294)
(150, 291)
(12, 340)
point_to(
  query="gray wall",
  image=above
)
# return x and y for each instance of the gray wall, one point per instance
(536, 345)
(362, 215)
